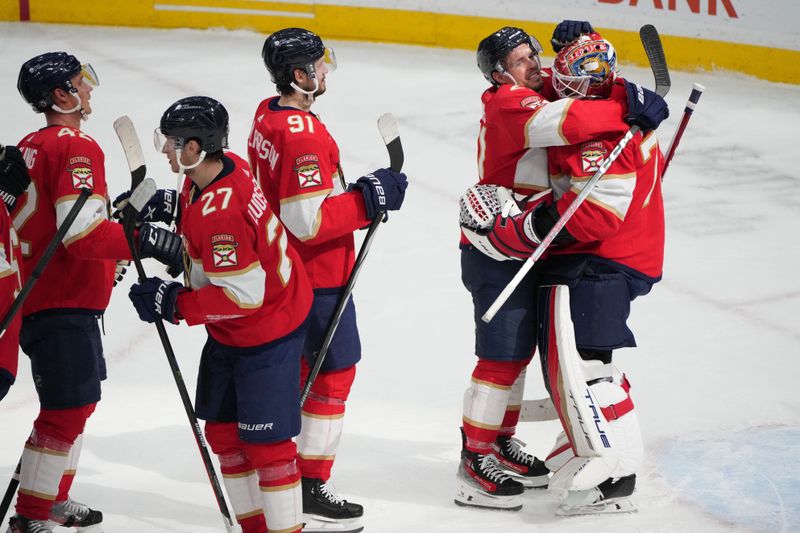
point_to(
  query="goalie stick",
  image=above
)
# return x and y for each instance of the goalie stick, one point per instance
(141, 191)
(658, 64)
(387, 125)
(694, 97)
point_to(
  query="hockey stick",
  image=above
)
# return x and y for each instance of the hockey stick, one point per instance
(387, 125)
(52, 246)
(694, 97)
(658, 64)
(141, 191)
(540, 410)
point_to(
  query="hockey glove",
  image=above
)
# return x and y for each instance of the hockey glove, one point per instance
(162, 245)
(14, 178)
(155, 299)
(567, 31)
(515, 237)
(159, 208)
(383, 190)
(120, 270)
(646, 109)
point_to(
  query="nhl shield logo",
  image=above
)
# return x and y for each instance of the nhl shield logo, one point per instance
(308, 173)
(81, 170)
(224, 250)
(592, 156)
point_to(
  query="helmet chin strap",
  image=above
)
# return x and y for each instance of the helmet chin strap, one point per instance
(78, 107)
(309, 95)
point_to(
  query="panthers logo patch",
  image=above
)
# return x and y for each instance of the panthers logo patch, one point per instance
(308, 173)
(593, 154)
(224, 250)
(81, 170)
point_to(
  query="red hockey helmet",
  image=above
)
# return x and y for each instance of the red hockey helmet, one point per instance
(585, 68)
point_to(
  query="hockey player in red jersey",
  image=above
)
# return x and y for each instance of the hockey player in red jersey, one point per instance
(248, 286)
(14, 179)
(610, 252)
(297, 163)
(519, 121)
(59, 329)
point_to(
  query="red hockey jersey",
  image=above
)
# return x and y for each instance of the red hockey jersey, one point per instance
(519, 123)
(62, 161)
(296, 162)
(10, 285)
(247, 283)
(622, 219)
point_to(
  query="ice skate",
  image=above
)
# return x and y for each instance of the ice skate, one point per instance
(20, 524)
(324, 511)
(481, 483)
(608, 497)
(523, 467)
(70, 513)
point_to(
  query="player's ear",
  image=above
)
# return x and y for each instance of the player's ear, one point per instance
(192, 147)
(299, 75)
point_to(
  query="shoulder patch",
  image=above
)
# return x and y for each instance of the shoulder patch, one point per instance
(307, 168)
(593, 154)
(81, 170)
(533, 101)
(223, 249)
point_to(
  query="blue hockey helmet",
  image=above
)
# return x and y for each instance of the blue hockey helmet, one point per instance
(196, 117)
(292, 48)
(52, 70)
(493, 49)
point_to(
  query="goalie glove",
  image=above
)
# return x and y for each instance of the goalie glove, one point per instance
(494, 224)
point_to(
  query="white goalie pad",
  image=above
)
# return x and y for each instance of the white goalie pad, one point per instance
(479, 206)
(577, 405)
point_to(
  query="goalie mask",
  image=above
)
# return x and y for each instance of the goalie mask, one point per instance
(585, 68)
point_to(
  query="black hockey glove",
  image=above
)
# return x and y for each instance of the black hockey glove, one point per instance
(159, 208)
(384, 190)
(14, 177)
(155, 299)
(162, 245)
(645, 108)
(567, 31)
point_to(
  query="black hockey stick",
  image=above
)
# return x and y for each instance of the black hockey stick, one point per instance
(52, 246)
(658, 64)
(391, 137)
(694, 97)
(138, 199)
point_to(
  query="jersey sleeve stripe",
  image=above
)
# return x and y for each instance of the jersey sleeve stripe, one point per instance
(302, 214)
(545, 127)
(245, 288)
(90, 216)
(613, 193)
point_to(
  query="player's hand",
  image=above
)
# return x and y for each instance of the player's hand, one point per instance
(120, 270)
(14, 177)
(384, 190)
(159, 208)
(155, 299)
(646, 109)
(162, 245)
(567, 31)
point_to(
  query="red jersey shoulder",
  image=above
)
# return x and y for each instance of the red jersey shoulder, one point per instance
(515, 97)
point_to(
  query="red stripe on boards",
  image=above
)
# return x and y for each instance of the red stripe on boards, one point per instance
(24, 10)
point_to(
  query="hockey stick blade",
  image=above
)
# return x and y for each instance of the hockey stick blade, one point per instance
(540, 410)
(655, 55)
(391, 137)
(133, 149)
(142, 194)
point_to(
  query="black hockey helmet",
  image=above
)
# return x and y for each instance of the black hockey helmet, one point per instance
(197, 117)
(291, 48)
(494, 48)
(40, 75)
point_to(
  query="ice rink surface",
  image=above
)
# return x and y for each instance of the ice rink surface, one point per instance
(714, 377)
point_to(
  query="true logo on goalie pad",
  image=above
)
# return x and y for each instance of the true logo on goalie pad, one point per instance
(224, 250)
(81, 170)
(308, 173)
(593, 154)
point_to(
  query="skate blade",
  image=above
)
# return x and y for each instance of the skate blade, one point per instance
(321, 524)
(612, 506)
(94, 528)
(534, 482)
(470, 497)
